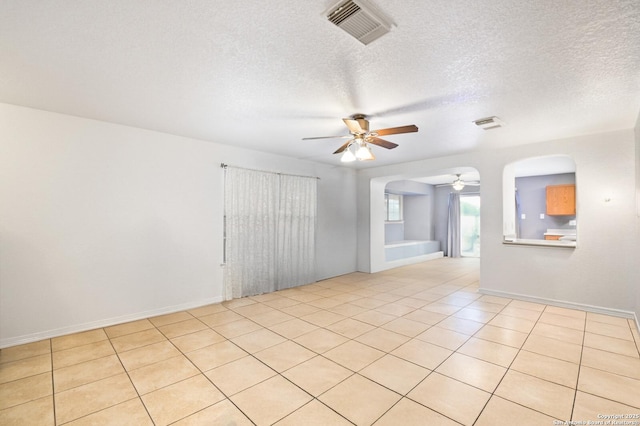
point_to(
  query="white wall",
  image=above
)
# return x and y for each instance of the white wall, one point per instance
(418, 217)
(102, 223)
(417, 212)
(637, 279)
(601, 272)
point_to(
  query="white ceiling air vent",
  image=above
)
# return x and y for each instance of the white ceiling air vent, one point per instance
(489, 123)
(360, 19)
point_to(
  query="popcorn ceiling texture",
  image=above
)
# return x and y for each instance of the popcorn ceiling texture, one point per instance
(262, 75)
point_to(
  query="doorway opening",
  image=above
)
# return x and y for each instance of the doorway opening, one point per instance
(470, 225)
(425, 217)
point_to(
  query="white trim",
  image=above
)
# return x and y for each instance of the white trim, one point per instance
(563, 304)
(34, 337)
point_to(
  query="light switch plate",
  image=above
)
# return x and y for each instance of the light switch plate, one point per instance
(541, 215)
(523, 216)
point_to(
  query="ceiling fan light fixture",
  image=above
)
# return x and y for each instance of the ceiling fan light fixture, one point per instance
(370, 155)
(362, 138)
(348, 156)
(458, 184)
(364, 153)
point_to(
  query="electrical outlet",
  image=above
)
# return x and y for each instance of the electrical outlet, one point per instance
(573, 222)
(523, 216)
(541, 215)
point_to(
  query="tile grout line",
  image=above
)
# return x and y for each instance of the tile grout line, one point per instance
(354, 373)
(633, 335)
(106, 356)
(579, 363)
(313, 397)
(203, 373)
(226, 397)
(53, 390)
(575, 394)
(506, 369)
(129, 377)
(431, 371)
(509, 369)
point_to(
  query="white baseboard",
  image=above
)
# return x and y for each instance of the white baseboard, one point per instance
(48, 334)
(563, 304)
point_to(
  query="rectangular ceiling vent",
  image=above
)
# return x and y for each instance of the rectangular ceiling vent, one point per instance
(489, 123)
(360, 19)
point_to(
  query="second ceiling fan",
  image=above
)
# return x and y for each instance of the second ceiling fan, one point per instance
(357, 147)
(458, 183)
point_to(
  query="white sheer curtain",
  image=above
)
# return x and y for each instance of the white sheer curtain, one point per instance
(269, 231)
(251, 208)
(453, 226)
(296, 231)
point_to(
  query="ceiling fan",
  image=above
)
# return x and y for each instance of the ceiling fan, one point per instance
(357, 147)
(458, 183)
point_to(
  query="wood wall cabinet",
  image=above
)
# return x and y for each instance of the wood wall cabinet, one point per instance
(561, 200)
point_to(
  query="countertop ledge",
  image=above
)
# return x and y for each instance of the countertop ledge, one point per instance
(539, 243)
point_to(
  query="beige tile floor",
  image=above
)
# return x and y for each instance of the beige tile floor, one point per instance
(414, 345)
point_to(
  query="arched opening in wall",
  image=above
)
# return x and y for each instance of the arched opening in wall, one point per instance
(410, 217)
(539, 201)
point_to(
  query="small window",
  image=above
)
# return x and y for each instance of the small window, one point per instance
(393, 207)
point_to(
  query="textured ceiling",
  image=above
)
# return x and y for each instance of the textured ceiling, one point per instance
(265, 74)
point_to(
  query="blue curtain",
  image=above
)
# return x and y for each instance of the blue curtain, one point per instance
(518, 215)
(453, 226)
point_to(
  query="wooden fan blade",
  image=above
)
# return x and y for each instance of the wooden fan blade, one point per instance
(396, 130)
(343, 147)
(354, 126)
(327, 137)
(381, 142)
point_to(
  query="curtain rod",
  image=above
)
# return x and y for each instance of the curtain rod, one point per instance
(224, 166)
